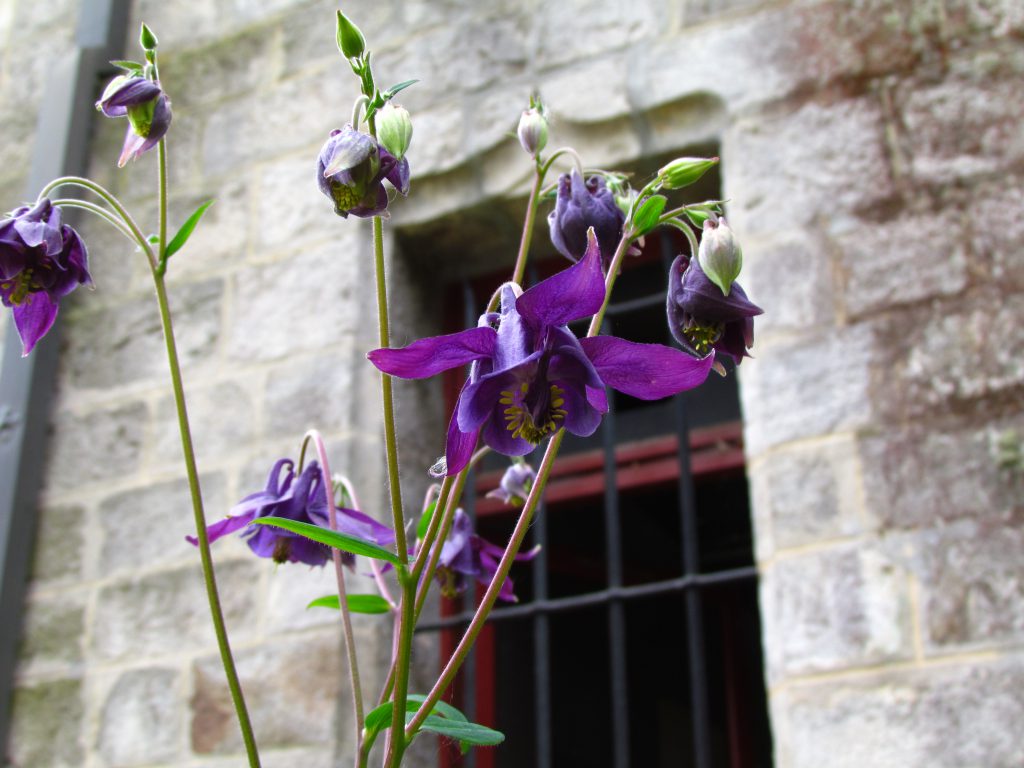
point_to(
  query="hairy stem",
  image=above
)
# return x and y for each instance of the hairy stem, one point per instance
(524, 242)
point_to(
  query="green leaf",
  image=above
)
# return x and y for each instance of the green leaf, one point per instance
(390, 92)
(186, 230)
(356, 603)
(698, 216)
(442, 708)
(379, 718)
(424, 523)
(128, 66)
(469, 733)
(331, 538)
(645, 219)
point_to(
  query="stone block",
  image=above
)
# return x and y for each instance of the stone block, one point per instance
(46, 725)
(576, 30)
(570, 93)
(807, 388)
(60, 544)
(292, 588)
(53, 631)
(907, 259)
(221, 240)
(167, 612)
(809, 493)
(819, 162)
(997, 239)
(302, 303)
(114, 434)
(308, 36)
(141, 721)
(952, 716)
(123, 344)
(291, 208)
(115, 264)
(836, 608)
(146, 527)
(223, 419)
(292, 689)
(312, 393)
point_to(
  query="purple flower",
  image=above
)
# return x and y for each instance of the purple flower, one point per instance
(704, 320)
(350, 171)
(41, 261)
(580, 206)
(303, 499)
(531, 376)
(147, 108)
(515, 484)
(466, 554)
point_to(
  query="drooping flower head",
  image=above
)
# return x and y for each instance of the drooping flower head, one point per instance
(351, 169)
(465, 554)
(580, 206)
(41, 261)
(531, 376)
(704, 320)
(515, 484)
(147, 108)
(301, 498)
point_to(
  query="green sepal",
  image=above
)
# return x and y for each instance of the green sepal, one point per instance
(333, 539)
(185, 232)
(646, 217)
(358, 603)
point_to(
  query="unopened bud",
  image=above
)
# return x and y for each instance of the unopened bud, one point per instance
(720, 256)
(533, 131)
(147, 39)
(394, 129)
(684, 171)
(351, 42)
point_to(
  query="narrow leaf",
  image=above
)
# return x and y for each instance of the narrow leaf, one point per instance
(390, 92)
(186, 230)
(331, 538)
(128, 66)
(442, 708)
(424, 523)
(356, 603)
(646, 217)
(470, 733)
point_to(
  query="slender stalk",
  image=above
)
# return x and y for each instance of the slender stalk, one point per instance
(161, 153)
(524, 242)
(203, 541)
(339, 572)
(99, 210)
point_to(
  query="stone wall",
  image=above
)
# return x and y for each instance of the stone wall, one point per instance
(874, 157)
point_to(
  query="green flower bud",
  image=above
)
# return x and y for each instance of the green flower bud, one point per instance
(720, 256)
(533, 131)
(684, 171)
(394, 129)
(351, 42)
(147, 39)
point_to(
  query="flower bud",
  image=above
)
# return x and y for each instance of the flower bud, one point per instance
(147, 39)
(533, 131)
(351, 42)
(394, 129)
(684, 171)
(720, 256)
(581, 205)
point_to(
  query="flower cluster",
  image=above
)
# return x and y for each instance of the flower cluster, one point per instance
(465, 554)
(351, 169)
(147, 108)
(41, 261)
(581, 206)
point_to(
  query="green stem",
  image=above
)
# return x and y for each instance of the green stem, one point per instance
(99, 210)
(524, 242)
(161, 152)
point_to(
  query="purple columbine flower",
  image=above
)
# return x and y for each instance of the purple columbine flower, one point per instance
(301, 498)
(466, 554)
(147, 108)
(41, 261)
(350, 171)
(531, 376)
(704, 320)
(515, 484)
(580, 206)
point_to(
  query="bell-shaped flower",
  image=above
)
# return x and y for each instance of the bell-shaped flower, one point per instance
(515, 484)
(704, 320)
(41, 261)
(147, 108)
(580, 206)
(351, 169)
(301, 498)
(531, 376)
(465, 554)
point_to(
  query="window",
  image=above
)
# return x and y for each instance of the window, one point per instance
(637, 640)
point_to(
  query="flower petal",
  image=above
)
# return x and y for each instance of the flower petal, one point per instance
(435, 354)
(569, 295)
(645, 371)
(498, 438)
(223, 527)
(33, 319)
(581, 417)
(459, 446)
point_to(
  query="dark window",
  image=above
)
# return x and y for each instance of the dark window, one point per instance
(637, 638)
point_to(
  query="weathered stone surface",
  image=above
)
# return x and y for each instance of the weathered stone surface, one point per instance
(315, 393)
(124, 344)
(292, 689)
(167, 612)
(53, 631)
(946, 717)
(146, 527)
(141, 721)
(571, 97)
(291, 589)
(46, 726)
(809, 493)
(292, 209)
(115, 434)
(831, 609)
(997, 239)
(307, 35)
(221, 240)
(572, 30)
(222, 418)
(60, 543)
(907, 259)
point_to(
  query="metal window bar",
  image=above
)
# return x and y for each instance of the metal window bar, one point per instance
(615, 597)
